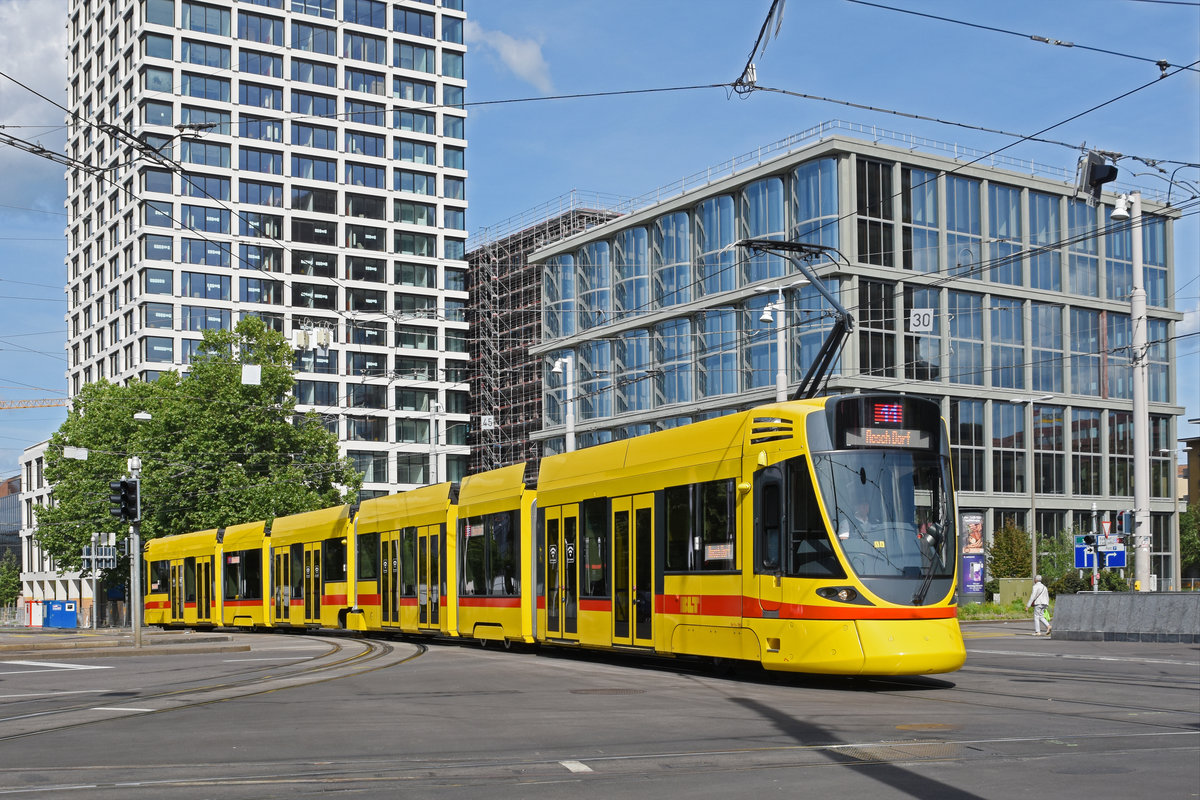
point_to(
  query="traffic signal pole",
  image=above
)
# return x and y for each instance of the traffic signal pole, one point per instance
(135, 553)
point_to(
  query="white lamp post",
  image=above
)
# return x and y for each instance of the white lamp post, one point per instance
(1129, 207)
(569, 401)
(778, 308)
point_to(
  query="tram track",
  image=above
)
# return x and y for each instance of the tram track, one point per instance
(321, 670)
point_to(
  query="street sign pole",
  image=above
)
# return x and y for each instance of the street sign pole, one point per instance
(1095, 555)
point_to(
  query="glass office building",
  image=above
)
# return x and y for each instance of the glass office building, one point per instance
(1027, 286)
(301, 161)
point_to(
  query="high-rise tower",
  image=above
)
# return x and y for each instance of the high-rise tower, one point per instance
(302, 161)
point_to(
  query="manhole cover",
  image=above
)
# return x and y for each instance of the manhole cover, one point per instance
(608, 691)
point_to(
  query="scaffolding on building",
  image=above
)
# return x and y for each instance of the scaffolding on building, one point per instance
(506, 401)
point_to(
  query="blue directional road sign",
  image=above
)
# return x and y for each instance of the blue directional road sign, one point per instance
(1110, 547)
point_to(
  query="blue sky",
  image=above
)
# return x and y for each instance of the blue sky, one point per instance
(523, 154)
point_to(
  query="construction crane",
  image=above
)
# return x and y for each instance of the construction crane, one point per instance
(41, 402)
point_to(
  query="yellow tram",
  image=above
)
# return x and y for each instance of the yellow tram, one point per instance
(812, 535)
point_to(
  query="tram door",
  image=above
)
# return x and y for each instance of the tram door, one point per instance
(204, 592)
(428, 577)
(389, 590)
(281, 585)
(312, 583)
(633, 570)
(562, 573)
(176, 591)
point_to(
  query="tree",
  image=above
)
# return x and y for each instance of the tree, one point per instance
(1189, 541)
(10, 580)
(1008, 556)
(215, 451)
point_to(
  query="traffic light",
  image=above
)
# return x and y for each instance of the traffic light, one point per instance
(1094, 172)
(1089, 540)
(125, 500)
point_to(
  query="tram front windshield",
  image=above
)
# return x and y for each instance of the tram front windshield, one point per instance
(889, 510)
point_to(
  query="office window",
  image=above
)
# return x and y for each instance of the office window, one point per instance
(361, 80)
(363, 237)
(875, 232)
(1120, 453)
(319, 8)
(254, 94)
(261, 257)
(1045, 261)
(252, 159)
(260, 290)
(717, 355)
(415, 121)
(158, 315)
(418, 58)
(314, 105)
(412, 213)
(1009, 471)
(200, 318)
(364, 47)
(202, 251)
(922, 351)
(363, 113)
(1086, 455)
(314, 38)
(204, 286)
(963, 231)
(314, 295)
(323, 201)
(314, 231)
(414, 23)
(918, 213)
(360, 268)
(213, 187)
(256, 223)
(877, 328)
(1117, 359)
(213, 120)
(205, 19)
(201, 218)
(317, 265)
(1082, 250)
(415, 182)
(1008, 343)
(966, 338)
(1047, 342)
(313, 168)
(257, 63)
(206, 154)
(204, 87)
(260, 28)
(1049, 450)
(365, 206)
(1004, 228)
(367, 175)
(314, 72)
(260, 193)
(365, 12)
(313, 136)
(968, 446)
(1085, 352)
(414, 90)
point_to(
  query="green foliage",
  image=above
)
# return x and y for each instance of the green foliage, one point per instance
(1069, 583)
(1111, 581)
(1009, 555)
(10, 580)
(1189, 540)
(214, 453)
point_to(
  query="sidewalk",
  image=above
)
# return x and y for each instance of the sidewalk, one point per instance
(60, 643)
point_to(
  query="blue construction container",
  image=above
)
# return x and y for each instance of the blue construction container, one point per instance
(61, 614)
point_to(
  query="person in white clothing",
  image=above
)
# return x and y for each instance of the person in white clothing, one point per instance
(1039, 598)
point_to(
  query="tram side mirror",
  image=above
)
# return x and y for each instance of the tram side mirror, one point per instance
(933, 535)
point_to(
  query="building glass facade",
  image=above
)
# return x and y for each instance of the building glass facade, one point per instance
(1029, 350)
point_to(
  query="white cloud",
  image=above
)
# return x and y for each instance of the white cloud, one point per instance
(32, 51)
(522, 56)
(1190, 323)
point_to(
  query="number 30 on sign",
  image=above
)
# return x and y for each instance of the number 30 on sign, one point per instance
(920, 320)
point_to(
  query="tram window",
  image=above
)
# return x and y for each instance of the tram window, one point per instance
(768, 517)
(490, 556)
(242, 575)
(160, 577)
(296, 553)
(811, 550)
(593, 566)
(474, 577)
(368, 556)
(333, 558)
(189, 580)
(679, 528)
(700, 532)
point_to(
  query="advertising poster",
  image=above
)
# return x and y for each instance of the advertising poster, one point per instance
(972, 527)
(972, 574)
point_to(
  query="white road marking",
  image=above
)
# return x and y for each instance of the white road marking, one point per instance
(47, 666)
(126, 708)
(277, 658)
(576, 766)
(51, 694)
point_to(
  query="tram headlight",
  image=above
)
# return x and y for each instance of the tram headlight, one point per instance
(843, 594)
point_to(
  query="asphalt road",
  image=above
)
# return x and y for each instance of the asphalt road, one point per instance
(279, 716)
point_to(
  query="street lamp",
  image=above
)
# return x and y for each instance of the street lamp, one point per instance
(1129, 207)
(569, 400)
(435, 408)
(779, 309)
(1031, 473)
